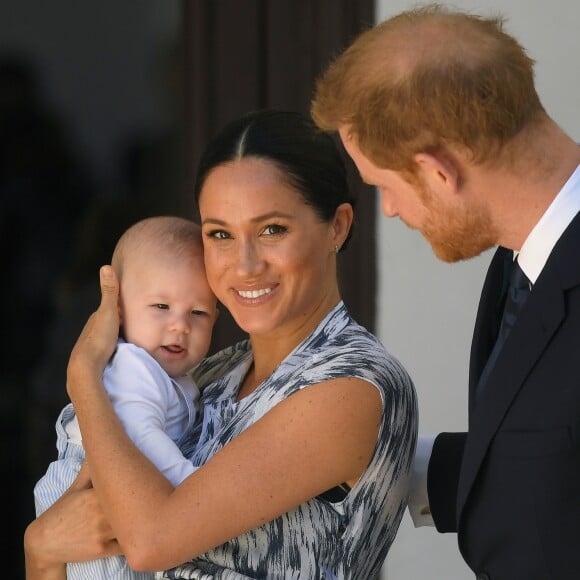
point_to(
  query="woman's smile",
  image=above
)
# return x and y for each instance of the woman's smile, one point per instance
(254, 294)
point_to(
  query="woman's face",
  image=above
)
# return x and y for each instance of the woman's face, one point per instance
(269, 258)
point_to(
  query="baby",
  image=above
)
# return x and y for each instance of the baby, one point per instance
(167, 312)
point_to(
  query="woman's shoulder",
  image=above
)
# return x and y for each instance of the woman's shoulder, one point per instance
(355, 349)
(342, 348)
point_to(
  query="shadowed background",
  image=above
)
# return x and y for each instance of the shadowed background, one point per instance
(104, 110)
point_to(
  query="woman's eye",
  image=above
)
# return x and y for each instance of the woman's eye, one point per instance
(274, 229)
(218, 235)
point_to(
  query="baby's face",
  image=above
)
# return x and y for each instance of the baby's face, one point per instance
(168, 309)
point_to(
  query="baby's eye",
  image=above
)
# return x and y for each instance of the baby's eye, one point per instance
(199, 312)
(161, 306)
(274, 229)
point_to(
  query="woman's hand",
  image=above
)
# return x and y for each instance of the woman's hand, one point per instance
(73, 529)
(98, 339)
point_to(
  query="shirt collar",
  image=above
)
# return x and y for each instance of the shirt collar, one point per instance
(540, 242)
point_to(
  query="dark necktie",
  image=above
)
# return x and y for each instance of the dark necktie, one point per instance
(518, 292)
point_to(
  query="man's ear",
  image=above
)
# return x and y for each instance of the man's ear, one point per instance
(439, 171)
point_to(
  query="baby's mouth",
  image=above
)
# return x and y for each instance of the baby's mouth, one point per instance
(174, 348)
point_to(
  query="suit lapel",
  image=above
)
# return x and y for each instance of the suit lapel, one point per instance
(522, 349)
(540, 319)
(488, 317)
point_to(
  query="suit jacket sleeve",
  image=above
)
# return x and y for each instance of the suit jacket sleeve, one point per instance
(443, 479)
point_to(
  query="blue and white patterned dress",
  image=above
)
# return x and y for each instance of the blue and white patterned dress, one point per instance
(318, 539)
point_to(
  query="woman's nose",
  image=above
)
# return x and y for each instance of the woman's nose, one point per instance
(250, 261)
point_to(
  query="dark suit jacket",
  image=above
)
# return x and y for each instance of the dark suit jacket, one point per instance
(510, 486)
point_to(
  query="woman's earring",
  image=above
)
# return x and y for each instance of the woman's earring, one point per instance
(336, 249)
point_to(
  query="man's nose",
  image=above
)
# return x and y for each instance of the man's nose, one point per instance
(388, 205)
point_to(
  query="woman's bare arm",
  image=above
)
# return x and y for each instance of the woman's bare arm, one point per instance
(311, 442)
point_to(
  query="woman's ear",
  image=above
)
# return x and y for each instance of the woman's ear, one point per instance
(342, 223)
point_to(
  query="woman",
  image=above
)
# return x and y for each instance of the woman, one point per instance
(308, 428)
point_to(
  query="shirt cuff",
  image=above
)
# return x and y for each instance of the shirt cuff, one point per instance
(418, 495)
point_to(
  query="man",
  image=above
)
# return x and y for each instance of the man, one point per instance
(438, 110)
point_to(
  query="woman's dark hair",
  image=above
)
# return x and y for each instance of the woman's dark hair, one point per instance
(308, 158)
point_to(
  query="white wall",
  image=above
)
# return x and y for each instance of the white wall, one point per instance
(427, 308)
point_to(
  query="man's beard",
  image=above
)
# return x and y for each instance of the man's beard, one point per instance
(457, 233)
